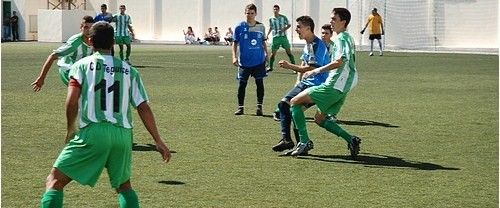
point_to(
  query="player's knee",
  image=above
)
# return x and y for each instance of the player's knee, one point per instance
(56, 180)
(283, 105)
(124, 186)
(319, 119)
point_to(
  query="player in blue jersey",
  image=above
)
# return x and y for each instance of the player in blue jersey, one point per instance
(251, 58)
(314, 55)
(104, 15)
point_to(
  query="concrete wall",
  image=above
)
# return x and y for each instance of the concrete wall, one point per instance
(408, 24)
(59, 25)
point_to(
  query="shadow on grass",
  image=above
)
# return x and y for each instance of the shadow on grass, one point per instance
(146, 147)
(359, 123)
(377, 161)
(366, 123)
(175, 183)
(147, 66)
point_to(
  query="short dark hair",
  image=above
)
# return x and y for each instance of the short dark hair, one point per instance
(251, 7)
(307, 21)
(104, 5)
(344, 14)
(102, 34)
(327, 27)
(88, 19)
(276, 6)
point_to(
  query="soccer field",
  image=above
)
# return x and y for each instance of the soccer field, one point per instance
(429, 124)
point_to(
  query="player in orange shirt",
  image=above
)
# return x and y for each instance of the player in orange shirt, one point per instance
(376, 30)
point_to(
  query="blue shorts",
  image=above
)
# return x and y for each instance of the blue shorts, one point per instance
(258, 72)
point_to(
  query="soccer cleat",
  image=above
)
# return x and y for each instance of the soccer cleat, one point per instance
(239, 111)
(300, 149)
(371, 54)
(283, 145)
(332, 118)
(276, 116)
(305, 151)
(381, 53)
(269, 69)
(258, 111)
(310, 146)
(354, 146)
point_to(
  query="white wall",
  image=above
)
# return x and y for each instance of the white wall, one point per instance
(59, 25)
(408, 24)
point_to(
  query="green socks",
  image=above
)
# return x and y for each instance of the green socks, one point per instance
(52, 199)
(336, 129)
(128, 199)
(299, 120)
(292, 59)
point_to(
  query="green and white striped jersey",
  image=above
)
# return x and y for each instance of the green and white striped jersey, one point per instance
(277, 23)
(345, 77)
(109, 87)
(122, 23)
(73, 50)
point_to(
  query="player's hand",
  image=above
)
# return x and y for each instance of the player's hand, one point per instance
(37, 84)
(69, 135)
(164, 151)
(362, 31)
(310, 73)
(235, 61)
(284, 64)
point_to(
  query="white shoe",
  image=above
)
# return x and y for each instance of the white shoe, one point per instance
(381, 53)
(371, 54)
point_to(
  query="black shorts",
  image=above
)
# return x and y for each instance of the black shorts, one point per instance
(375, 36)
(258, 72)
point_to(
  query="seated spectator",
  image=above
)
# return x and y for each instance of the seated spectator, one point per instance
(208, 38)
(216, 36)
(189, 37)
(229, 36)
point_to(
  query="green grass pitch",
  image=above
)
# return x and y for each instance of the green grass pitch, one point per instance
(429, 124)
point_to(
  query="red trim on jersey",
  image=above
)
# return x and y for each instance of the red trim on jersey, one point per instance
(74, 83)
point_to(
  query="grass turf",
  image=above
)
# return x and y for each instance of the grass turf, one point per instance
(429, 124)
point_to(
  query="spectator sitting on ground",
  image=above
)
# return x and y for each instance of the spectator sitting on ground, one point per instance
(229, 36)
(216, 36)
(189, 36)
(208, 38)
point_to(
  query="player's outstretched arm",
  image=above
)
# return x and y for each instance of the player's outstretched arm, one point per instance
(298, 68)
(148, 120)
(39, 81)
(330, 66)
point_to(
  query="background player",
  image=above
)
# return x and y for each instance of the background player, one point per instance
(122, 28)
(278, 24)
(249, 37)
(376, 30)
(77, 47)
